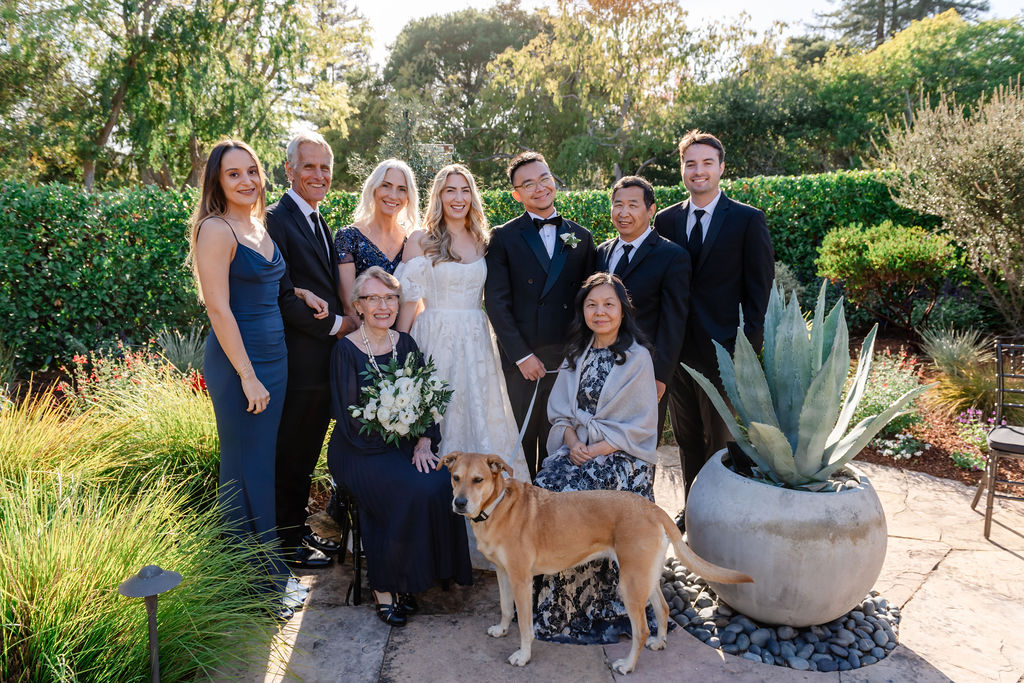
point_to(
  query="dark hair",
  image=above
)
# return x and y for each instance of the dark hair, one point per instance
(635, 181)
(697, 137)
(580, 334)
(520, 160)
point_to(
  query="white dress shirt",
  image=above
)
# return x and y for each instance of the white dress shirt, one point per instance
(548, 234)
(617, 251)
(307, 211)
(705, 220)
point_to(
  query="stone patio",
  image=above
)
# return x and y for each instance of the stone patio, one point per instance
(961, 596)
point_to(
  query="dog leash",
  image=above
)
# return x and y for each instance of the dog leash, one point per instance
(526, 421)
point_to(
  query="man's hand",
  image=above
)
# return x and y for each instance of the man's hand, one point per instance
(661, 389)
(349, 324)
(532, 369)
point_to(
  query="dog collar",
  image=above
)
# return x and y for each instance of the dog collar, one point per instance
(483, 516)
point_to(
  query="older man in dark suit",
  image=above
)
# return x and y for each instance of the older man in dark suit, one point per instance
(300, 233)
(535, 265)
(733, 268)
(656, 273)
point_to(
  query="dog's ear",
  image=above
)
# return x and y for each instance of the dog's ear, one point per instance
(448, 460)
(497, 464)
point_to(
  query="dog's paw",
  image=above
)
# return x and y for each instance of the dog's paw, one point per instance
(656, 643)
(621, 666)
(519, 658)
(497, 631)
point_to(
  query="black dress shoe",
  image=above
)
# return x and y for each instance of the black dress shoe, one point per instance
(321, 543)
(310, 558)
(391, 613)
(283, 613)
(408, 603)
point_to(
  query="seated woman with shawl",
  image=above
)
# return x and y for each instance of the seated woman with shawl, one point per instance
(603, 411)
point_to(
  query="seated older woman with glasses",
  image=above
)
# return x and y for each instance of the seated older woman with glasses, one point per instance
(410, 535)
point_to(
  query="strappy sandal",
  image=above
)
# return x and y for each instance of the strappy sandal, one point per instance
(390, 613)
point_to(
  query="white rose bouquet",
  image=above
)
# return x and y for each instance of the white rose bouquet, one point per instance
(403, 401)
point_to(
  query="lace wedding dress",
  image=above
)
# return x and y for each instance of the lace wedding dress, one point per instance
(455, 332)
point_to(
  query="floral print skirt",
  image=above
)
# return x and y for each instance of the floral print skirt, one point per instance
(582, 605)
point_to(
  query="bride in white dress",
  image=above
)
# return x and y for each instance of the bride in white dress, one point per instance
(442, 276)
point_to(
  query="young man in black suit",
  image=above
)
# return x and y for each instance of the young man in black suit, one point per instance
(535, 265)
(656, 273)
(301, 236)
(733, 266)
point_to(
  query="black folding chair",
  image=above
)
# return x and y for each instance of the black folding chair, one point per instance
(1004, 441)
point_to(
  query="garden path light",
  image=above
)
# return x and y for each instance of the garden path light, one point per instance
(148, 583)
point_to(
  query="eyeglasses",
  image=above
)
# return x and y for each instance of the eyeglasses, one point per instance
(530, 185)
(376, 300)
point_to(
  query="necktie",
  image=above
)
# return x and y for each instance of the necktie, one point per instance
(541, 222)
(623, 263)
(320, 229)
(696, 238)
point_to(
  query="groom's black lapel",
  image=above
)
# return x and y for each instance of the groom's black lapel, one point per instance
(533, 240)
(561, 253)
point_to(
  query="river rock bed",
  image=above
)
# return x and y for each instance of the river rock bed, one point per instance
(863, 636)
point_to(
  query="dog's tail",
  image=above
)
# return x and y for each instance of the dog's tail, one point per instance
(694, 562)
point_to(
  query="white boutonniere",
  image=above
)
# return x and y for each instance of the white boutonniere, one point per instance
(570, 239)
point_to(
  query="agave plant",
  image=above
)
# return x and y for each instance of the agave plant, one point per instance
(791, 416)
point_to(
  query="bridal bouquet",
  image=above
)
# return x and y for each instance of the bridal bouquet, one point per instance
(403, 401)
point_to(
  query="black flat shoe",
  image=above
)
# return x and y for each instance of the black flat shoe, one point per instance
(408, 603)
(322, 544)
(390, 613)
(310, 558)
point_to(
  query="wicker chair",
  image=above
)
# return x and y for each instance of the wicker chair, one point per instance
(1004, 441)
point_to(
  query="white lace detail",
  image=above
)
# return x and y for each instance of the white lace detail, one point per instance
(455, 332)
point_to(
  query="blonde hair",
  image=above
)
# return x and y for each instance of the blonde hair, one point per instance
(411, 212)
(374, 273)
(437, 240)
(213, 202)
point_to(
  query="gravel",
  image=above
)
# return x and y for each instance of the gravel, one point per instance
(867, 634)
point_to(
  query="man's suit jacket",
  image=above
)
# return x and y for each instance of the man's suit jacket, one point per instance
(735, 268)
(658, 281)
(308, 339)
(528, 296)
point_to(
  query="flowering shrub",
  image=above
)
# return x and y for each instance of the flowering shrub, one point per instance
(97, 374)
(402, 401)
(901, 447)
(892, 375)
(973, 428)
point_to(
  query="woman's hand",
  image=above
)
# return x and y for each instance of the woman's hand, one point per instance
(318, 305)
(255, 393)
(422, 457)
(579, 453)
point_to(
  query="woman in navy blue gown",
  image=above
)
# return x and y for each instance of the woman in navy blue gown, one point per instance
(238, 269)
(410, 535)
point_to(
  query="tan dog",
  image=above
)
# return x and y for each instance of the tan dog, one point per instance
(526, 530)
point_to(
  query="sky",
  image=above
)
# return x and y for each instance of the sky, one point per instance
(387, 17)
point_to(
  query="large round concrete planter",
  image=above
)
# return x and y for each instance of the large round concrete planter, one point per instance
(813, 556)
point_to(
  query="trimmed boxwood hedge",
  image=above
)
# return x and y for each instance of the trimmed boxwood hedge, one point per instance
(78, 269)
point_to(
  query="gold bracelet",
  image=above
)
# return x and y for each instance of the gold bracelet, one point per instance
(246, 371)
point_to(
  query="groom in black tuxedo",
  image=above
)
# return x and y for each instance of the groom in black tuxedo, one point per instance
(733, 267)
(656, 273)
(535, 265)
(300, 233)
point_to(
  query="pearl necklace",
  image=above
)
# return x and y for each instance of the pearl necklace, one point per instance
(369, 351)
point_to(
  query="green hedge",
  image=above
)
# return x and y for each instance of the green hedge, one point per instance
(78, 270)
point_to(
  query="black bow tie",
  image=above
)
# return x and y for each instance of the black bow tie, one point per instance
(541, 222)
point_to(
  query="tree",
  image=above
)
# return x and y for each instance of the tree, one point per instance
(872, 22)
(441, 63)
(966, 164)
(146, 86)
(409, 136)
(596, 87)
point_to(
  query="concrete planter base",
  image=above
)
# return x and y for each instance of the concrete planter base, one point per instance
(813, 556)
